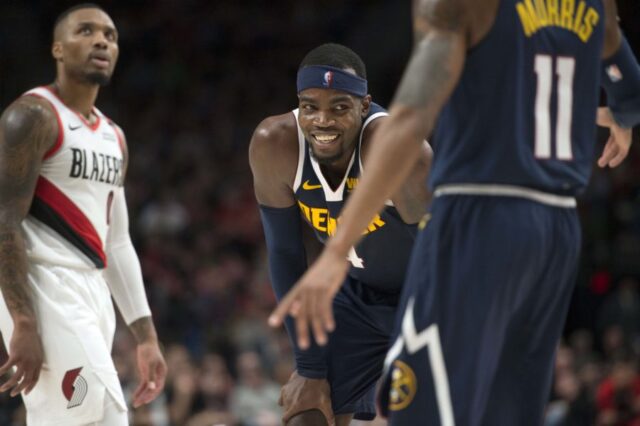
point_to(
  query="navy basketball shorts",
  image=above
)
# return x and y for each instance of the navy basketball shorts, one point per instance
(481, 313)
(357, 347)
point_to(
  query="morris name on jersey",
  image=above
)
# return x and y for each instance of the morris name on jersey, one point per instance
(537, 14)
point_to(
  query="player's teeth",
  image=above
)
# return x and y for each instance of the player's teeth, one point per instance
(326, 138)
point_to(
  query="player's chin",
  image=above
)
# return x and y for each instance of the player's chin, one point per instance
(324, 156)
(101, 78)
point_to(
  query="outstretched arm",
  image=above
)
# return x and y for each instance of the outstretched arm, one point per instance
(124, 278)
(430, 77)
(27, 130)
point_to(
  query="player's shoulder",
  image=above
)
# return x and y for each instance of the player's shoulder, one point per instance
(276, 129)
(32, 116)
(377, 115)
(275, 138)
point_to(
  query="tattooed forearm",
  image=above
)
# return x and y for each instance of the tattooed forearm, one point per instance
(13, 276)
(431, 75)
(143, 330)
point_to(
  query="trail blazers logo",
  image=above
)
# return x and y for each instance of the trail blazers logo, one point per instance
(74, 387)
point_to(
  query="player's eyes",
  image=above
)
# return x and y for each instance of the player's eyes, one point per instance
(308, 107)
(85, 31)
(340, 108)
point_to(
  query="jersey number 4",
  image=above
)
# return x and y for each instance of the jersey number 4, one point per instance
(565, 68)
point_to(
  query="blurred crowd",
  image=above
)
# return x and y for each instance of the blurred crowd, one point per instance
(193, 81)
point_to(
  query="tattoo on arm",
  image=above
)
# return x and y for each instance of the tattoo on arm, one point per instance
(26, 134)
(143, 330)
(436, 62)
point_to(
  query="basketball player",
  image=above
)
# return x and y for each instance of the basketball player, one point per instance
(515, 85)
(65, 242)
(305, 163)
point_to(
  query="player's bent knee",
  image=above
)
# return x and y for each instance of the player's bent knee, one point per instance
(305, 400)
(308, 418)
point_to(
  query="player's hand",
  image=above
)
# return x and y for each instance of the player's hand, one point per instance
(617, 147)
(26, 355)
(152, 370)
(310, 301)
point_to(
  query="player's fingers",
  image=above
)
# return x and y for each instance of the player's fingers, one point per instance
(327, 315)
(26, 381)
(302, 327)
(280, 312)
(137, 394)
(7, 365)
(161, 374)
(13, 380)
(619, 157)
(607, 153)
(316, 323)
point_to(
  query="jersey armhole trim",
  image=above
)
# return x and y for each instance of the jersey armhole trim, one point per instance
(369, 119)
(58, 143)
(301, 151)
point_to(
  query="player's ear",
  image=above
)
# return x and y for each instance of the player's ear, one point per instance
(366, 104)
(56, 50)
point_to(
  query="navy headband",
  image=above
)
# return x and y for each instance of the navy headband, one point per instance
(326, 77)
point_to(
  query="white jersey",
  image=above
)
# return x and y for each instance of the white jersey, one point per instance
(69, 217)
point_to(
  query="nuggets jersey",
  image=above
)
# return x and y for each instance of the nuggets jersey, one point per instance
(524, 110)
(381, 258)
(69, 217)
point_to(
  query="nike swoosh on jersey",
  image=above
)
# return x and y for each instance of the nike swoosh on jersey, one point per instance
(308, 187)
(72, 128)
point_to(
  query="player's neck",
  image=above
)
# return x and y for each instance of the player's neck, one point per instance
(334, 172)
(78, 97)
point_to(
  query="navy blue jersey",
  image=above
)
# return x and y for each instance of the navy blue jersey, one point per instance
(524, 110)
(380, 260)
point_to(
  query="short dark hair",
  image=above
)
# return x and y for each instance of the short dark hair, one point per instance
(62, 16)
(335, 55)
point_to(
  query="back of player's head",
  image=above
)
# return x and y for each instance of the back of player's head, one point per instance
(63, 15)
(335, 55)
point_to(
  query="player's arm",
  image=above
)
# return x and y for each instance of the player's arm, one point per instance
(273, 157)
(431, 75)
(28, 129)
(621, 81)
(413, 196)
(123, 275)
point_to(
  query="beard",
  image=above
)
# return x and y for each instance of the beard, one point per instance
(97, 78)
(329, 159)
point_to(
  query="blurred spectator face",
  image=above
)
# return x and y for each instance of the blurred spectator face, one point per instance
(567, 386)
(590, 374)
(623, 374)
(250, 369)
(331, 121)
(564, 359)
(86, 46)
(613, 340)
(215, 381)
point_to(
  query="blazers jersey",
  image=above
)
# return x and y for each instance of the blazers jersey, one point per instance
(381, 258)
(69, 217)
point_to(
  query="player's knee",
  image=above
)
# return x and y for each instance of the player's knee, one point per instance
(308, 418)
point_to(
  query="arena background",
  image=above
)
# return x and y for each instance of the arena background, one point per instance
(193, 80)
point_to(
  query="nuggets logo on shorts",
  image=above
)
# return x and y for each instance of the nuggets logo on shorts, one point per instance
(403, 386)
(74, 387)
